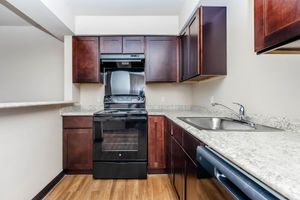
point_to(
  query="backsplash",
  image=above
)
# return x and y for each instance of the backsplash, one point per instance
(278, 122)
(170, 107)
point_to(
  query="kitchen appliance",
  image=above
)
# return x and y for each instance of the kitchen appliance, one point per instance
(109, 61)
(120, 130)
(225, 176)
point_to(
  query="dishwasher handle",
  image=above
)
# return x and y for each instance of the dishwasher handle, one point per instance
(232, 178)
(231, 188)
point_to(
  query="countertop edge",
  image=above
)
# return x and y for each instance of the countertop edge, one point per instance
(33, 104)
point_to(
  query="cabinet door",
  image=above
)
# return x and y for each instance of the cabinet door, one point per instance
(177, 133)
(161, 59)
(190, 144)
(276, 22)
(185, 55)
(178, 157)
(194, 46)
(77, 144)
(192, 189)
(168, 145)
(133, 44)
(156, 143)
(86, 60)
(111, 44)
(213, 41)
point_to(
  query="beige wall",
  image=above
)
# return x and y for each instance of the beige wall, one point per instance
(123, 25)
(31, 65)
(265, 84)
(169, 94)
(156, 94)
(31, 69)
(91, 94)
(30, 150)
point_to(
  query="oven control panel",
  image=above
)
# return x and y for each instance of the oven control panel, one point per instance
(124, 99)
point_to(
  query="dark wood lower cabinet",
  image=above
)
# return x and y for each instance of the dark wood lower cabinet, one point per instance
(179, 169)
(181, 166)
(156, 144)
(77, 145)
(192, 189)
(78, 152)
(168, 144)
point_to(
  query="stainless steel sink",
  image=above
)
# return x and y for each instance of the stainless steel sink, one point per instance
(224, 124)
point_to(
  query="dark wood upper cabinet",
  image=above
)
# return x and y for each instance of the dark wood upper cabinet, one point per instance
(86, 68)
(133, 44)
(161, 54)
(194, 44)
(277, 23)
(111, 44)
(185, 54)
(122, 44)
(203, 45)
(156, 143)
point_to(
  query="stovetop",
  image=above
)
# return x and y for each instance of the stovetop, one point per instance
(116, 112)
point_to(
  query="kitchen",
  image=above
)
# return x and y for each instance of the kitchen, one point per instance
(47, 124)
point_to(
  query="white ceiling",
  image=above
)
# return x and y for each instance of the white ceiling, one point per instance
(125, 7)
(9, 18)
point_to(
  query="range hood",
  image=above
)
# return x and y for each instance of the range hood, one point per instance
(122, 60)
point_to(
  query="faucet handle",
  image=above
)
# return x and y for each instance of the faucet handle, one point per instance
(241, 110)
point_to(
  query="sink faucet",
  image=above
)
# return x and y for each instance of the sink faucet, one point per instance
(241, 115)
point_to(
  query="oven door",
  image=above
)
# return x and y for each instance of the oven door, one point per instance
(120, 138)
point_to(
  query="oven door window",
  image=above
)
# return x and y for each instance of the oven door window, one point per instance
(120, 139)
(120, 136)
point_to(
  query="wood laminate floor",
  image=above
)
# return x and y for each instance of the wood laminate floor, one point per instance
(77, 187)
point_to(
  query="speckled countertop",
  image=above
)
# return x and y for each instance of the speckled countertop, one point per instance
(271, 157)
(80, 110)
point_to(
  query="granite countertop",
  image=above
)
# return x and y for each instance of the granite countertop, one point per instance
(32, 104)
(271, 157)
(80, 110)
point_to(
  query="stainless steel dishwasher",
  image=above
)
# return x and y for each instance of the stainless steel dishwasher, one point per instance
(238, 184)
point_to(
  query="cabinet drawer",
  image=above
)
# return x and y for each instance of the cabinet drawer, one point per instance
(177, 133)
(190, 144)
(78, 122)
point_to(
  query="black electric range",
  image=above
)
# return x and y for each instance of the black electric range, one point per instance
(120, 138)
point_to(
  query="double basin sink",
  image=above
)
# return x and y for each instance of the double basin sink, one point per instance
(225, 124)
